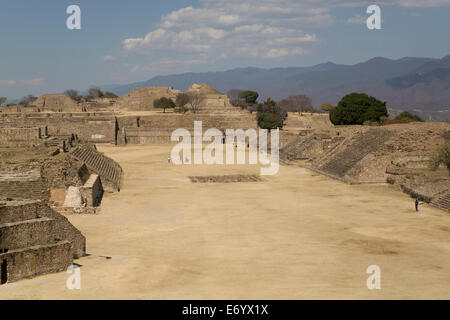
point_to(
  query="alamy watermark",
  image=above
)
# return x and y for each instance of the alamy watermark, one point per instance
(235, 141)
(374, 21)
(74, 20)
(74, 280)
(374, 281)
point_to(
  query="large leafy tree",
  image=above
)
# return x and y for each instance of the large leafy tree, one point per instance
(356, 108)
(164, 103)
(271, 115)
(249, 97)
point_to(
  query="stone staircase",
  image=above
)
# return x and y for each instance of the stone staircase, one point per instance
(295, 150)
(109, 171)
(442, 202)
(338, 162)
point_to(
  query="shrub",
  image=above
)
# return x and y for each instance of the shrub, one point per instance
(356, 108)
(270, 115)
(181, 110)
(269, 121)
(110, 95)
(409, 117)
(441, 156)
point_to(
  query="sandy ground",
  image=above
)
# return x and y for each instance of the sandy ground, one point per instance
(295, 235)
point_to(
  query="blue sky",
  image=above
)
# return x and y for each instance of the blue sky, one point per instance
(128, 41)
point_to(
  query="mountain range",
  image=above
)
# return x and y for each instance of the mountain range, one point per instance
(419, 85)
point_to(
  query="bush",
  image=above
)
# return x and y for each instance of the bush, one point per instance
(356, 108)
(269, 121)
(270, 115)
(441, 156)
(110, 95)
(409, 117)
(181, 109)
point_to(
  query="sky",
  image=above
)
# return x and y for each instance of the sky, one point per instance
(127, 41)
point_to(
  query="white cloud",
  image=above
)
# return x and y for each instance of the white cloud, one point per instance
(30, 82)
(227, 29)
(108, 58)
(357, 19)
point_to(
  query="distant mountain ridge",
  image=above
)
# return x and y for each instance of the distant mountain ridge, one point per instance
(410, 83)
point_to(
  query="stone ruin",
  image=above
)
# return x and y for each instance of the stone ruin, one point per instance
(142, 99)
(396, 154)
(56, 103)
(35, 240)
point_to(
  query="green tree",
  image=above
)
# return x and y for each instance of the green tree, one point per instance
(269, 121)
(2, 100)
(441, 156)
(270, 115)
(164, 103)
(405, 115)
(249, 97)
(356, 108)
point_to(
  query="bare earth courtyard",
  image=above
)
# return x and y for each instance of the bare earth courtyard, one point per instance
(295, 235)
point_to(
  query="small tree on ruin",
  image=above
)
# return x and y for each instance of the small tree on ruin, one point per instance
(164, 103)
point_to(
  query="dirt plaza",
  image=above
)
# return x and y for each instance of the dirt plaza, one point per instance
(294, 235)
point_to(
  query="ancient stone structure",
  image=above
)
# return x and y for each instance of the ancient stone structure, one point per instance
(397, 154)
(23, 185)
(34, 240)
(142, 99)
(212, 101)
(109, 170)
(57, 103)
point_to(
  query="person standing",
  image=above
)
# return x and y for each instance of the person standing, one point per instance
(417, 205)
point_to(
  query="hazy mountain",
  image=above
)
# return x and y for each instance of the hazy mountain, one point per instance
(417, 84)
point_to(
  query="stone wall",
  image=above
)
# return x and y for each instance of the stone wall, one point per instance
(37, 217)
(19, 134)
(92, 191)
(34, 240)
(26, 185)
(36, 260)
(91, 127)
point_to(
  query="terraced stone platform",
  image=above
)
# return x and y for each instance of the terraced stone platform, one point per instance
(353, 150)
